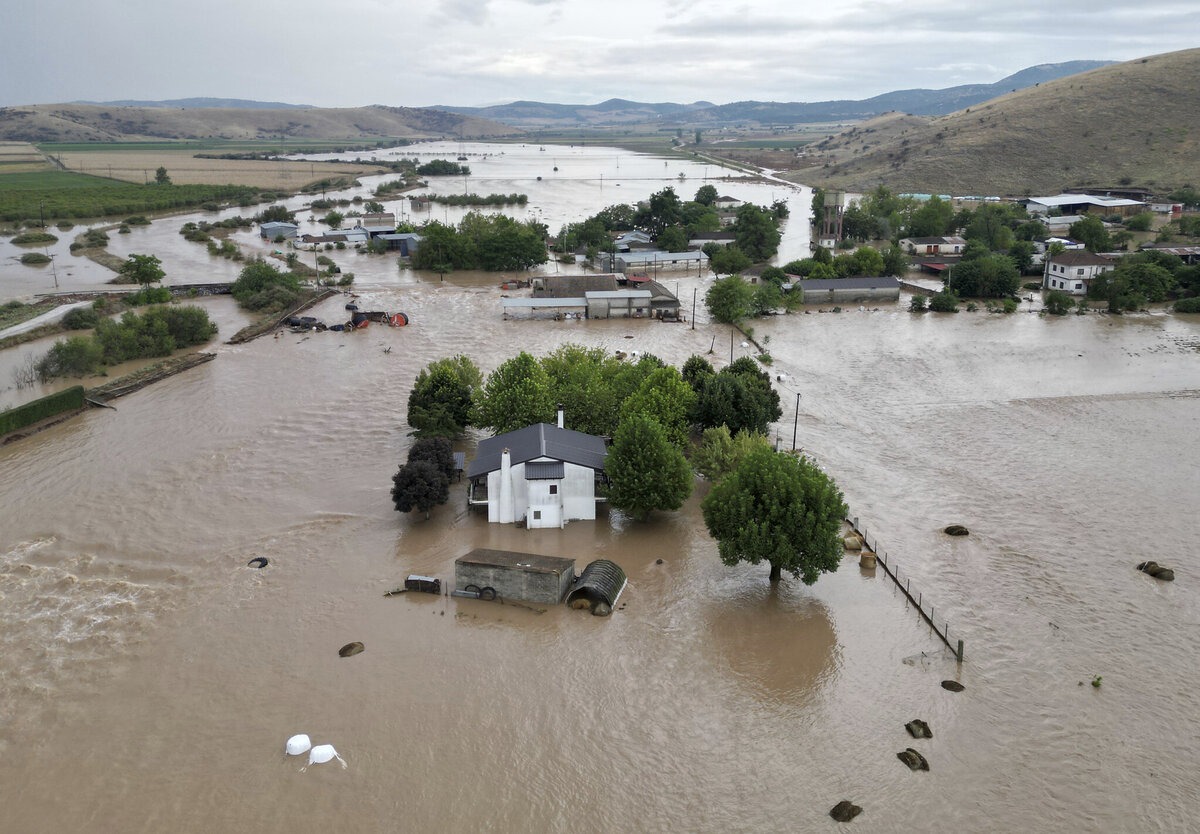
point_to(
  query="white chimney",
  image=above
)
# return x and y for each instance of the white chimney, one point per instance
(560, 416)
(506, 515)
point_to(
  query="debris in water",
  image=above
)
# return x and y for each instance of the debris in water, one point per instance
(1157, 571)
(258, 562)
(910, 757)
(956, 530)
(845, 811)
(918, 729)
(953, 686)
(350, 649)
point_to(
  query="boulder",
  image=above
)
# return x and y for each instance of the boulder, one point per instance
(350, 649)
(918, 729)
(581, 603)
(913, 759)
(601, 609)
(953, 686)
(956, 530)
(1165, 574)
(845, 811)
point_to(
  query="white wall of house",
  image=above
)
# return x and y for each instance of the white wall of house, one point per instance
(571, 498)
(1071, 279)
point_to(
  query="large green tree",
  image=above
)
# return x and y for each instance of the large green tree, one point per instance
(739, 401)
(440, 403)
(665, 398)
(778, 509)
(992, 276)
(933, 219)
(728, 299)
(516, 394)
(720, 451)
(729, 260)
(646, 470)
(142, 269)
(706, 195)
(420, 485)
(1091, 233)
(755, 232)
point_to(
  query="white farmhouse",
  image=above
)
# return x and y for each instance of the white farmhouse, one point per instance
(1073, 271)
(542, 474)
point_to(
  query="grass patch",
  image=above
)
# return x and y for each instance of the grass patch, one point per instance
(34, 258)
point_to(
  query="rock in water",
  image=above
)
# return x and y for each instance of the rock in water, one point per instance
(1165, 574)
(953, 686)
(913, 759)
(918, 729)
(957, 530)
(845, 811)
(601, 609)
(350, 649)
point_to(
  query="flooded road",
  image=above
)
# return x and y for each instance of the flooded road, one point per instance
(149, 679)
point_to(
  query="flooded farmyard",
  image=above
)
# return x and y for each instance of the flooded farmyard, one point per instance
(149, 679)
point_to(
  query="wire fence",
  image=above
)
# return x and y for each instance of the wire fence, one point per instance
(916, 597)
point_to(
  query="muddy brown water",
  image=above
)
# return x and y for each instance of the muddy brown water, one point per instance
(149, 679)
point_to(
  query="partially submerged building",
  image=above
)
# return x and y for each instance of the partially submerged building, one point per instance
(274, 229)
(511, 575)
(1074, 271)
(854, 290)
(543, 475)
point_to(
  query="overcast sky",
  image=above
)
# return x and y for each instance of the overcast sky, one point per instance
(475, 52)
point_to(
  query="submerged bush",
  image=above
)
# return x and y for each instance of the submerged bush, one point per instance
(1188, 305)
(81, 318)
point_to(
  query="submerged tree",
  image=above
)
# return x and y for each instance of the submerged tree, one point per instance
(647, 470)
(142, 269)
(419, 486)
(778, 509)
(441, 401)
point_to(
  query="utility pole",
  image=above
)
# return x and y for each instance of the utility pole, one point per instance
(693, 308)
(731, 344)
(796, 421)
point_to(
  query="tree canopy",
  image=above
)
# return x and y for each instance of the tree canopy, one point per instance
(778, 509)
(419, 485)
(516, 394)
(728, 299)
(142, 269)
(647, 471)
(441, 401)
(755, 232)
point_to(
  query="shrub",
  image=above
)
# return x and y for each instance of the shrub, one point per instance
(81, 318)
(1032, 285)
(94, 239)
(124, 230)
(30, 258)
(917, 304)
(1188, 305)
(1058, 303)
(65, 225)
(35, 238)
(271, 300)
(136, 220)
(1010, 305)
(77, 356)
(30, 413)
(149, 295)
(944, 302)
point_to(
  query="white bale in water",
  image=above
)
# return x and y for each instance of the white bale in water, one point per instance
(745, 344)
(298, 744)
(323, 753)
(852, 543)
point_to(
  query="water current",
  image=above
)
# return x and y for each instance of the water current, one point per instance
(149, 679)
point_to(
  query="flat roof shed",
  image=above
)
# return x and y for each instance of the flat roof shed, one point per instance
(525, 576)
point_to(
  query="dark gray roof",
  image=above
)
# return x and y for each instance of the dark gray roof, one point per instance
(552, 470)
(573, 286)
(860, 282)
(541, 440)
(533, 562)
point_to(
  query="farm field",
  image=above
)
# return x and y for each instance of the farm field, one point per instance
(20, 158)
(138, 164)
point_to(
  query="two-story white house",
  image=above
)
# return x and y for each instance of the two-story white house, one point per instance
(1072, 272)
(544, 475)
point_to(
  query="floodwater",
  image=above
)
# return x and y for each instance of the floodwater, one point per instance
(149, 679)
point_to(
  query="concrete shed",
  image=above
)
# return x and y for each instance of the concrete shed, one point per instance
(523, 576)
(850, 290)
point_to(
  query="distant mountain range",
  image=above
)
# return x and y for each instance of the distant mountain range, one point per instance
(530, 114)
(205, 104)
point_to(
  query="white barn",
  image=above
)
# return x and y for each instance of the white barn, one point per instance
(542, 474)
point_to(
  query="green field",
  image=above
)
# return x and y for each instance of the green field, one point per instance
(63, 194)
(52, 180)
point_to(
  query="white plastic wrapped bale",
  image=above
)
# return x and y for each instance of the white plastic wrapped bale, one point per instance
(323, 753)
(298, 744)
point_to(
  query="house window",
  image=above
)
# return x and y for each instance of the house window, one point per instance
(1079, 286)
(537, 515)
(1079, 272)
(554, 489)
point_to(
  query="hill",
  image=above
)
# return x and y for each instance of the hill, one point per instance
(223, 103)
(706, 114)
(104, 123)
(1136, 123)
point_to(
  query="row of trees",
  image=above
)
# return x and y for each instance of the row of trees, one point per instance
(766, 506)
(481, 241)
(160, 331)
